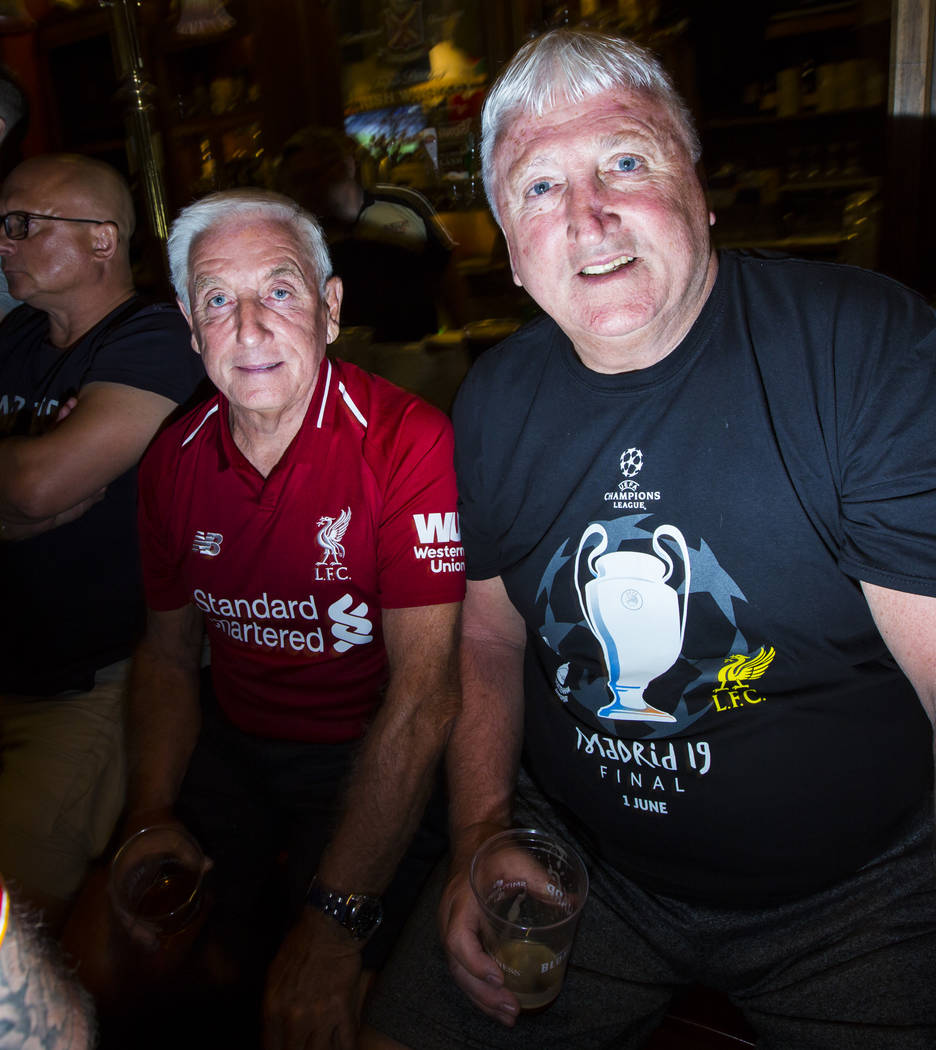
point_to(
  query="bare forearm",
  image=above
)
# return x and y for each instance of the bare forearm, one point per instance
(393, 773)
(19, 530)
(484, 750)
(392, 780)
(40, 1003)
(13, 531)
(30, 502)
(165, 718)
(17, 505)
(99, 437)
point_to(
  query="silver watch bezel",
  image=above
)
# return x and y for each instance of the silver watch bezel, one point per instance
(359, 913)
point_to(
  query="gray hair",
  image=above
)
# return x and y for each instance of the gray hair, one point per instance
(570, 65)
(240, 204)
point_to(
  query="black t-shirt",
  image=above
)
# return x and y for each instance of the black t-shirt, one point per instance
(72, 597)
(757, 740)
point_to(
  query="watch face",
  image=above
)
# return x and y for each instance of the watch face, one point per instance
(364, 916)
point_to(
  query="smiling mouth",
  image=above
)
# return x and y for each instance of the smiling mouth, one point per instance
(610, 267)
(260, 368)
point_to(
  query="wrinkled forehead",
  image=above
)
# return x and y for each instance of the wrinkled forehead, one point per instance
(630, 107)
(248, 246)
(573, 126)
(229, 233)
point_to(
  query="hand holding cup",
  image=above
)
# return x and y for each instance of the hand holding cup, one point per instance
(531, 888)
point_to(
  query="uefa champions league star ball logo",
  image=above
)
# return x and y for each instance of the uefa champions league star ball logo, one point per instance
(631, 462)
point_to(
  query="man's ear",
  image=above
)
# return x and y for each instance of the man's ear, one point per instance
(334, 291)
(188, 317)
(513, 269)
(104, 240)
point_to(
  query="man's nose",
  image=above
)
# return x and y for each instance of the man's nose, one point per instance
(590, 211)
(251, 324)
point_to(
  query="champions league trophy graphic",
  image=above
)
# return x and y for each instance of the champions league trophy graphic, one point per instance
(634, 614)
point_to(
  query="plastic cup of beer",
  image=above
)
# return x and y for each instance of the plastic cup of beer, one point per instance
(531, 888)
(156, 880)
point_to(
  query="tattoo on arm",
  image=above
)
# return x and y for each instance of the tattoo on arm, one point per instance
(42, 1005)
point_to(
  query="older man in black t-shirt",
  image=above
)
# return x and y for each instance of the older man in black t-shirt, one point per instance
(697, 501)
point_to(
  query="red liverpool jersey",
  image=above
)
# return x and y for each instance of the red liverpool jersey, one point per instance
(292, 571)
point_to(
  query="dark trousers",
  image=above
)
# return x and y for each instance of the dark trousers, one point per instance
(850, 967)
(264, 810)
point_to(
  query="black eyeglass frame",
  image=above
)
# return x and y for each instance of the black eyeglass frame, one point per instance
(27, 215)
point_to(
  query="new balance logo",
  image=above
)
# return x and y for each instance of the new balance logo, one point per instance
(434, 528)
(208, 543)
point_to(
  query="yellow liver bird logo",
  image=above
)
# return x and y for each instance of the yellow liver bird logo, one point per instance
(740, 669)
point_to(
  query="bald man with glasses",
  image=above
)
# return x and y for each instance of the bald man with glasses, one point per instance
(16, 223)
(88, 372)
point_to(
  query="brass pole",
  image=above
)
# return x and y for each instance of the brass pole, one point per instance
(138, 94)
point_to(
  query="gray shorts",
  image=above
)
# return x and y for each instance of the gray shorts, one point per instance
(850, 968)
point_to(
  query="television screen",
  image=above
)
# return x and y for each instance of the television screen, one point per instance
(393, 124)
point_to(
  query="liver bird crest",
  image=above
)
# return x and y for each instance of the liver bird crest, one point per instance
(330, 536)
(740, 669)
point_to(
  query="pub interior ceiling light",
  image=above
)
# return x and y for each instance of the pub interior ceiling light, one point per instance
(202, 18)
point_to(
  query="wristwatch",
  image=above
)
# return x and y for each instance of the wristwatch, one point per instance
(358, 913)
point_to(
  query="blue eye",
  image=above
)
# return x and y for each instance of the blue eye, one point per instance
(280, 293)
(625, 163)
(539, 188)
(219, 299)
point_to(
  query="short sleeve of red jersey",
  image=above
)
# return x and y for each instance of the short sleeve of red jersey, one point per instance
(420, 558)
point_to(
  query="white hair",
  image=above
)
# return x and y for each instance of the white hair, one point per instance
(240, 204)
(568, 66)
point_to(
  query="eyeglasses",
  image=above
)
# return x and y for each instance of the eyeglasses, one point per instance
(16, 223)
